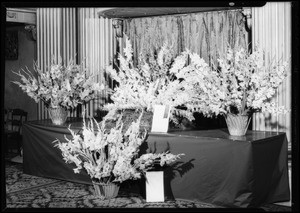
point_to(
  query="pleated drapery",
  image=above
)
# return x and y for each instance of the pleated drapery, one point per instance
(56, 38)
(206, 33)
(271, 30)
(97, 47)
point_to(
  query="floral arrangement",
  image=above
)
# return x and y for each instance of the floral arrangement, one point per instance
(159, 78)
(241, 84)
(64, 86)
(111, 155)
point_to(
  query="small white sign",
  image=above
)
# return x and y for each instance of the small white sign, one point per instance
(155, 186)
(160, 121)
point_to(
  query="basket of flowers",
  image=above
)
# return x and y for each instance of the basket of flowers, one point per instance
(241, 84)
(61, 88)
(110, 156)
(159, 78)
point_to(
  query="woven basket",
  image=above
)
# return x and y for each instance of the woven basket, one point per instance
(106, 190)
(237, 124)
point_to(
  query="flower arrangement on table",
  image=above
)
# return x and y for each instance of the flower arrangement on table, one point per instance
(241, 85)
(158, 79)
(62, 87)
(110, 156)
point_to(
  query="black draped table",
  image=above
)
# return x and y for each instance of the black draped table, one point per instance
(217, 168)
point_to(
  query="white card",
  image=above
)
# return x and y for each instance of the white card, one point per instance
(160, 121)
(155, 186)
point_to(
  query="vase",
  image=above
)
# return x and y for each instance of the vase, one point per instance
(58, 115)
(155, 186)
(106, 190)
(237, 124)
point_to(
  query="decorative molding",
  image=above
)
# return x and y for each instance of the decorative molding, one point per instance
(11, 15)
(32, 30)
(21, 16)
(118, 25)
(248, 14)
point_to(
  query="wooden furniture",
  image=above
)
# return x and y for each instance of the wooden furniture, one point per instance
(13, 128)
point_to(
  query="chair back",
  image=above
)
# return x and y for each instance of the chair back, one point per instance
(16, 119)
(5, 116)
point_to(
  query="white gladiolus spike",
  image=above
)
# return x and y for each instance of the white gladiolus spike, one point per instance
(60, 86)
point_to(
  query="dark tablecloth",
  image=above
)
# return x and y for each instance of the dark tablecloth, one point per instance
(217, 168)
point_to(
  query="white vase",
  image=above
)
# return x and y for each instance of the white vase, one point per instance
(155, 186)
(58, 115)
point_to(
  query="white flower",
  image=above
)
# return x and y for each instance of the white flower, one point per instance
(110, 155)
(60, 86)
(241, 82)
(157, 79)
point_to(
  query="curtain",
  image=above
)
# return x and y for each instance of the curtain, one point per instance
(206, 33)
(97, 47)
(271, 30)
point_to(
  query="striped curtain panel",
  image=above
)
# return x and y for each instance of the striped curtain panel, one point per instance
(271, 30)
(97, 48)
(56, 38)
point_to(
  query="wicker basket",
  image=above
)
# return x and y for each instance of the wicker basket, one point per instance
(106, 190)
(237, 124)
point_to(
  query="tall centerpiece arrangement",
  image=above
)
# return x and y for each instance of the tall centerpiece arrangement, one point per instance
(110, 156)
(159, 78)
(61, 88)
(241, 84)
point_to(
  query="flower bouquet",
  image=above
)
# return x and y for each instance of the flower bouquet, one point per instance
(110, 156)
(158, 79)
(61, 88)
(241, 85)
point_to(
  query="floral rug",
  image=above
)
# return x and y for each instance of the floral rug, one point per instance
(16, 181)
(26, 191)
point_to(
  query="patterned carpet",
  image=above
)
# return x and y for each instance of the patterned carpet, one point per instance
(25, 191)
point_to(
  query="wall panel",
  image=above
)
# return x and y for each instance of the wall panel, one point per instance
(96, 50)
(271, 30)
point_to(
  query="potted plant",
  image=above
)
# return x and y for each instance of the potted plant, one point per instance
(110, 156)
(61, 88)
(241, 84)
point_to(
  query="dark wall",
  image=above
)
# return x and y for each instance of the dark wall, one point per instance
(14, 97)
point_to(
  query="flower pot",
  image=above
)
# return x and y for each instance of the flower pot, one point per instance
(155, 186)
(237, 124)
(58, 115)
(106, 190)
